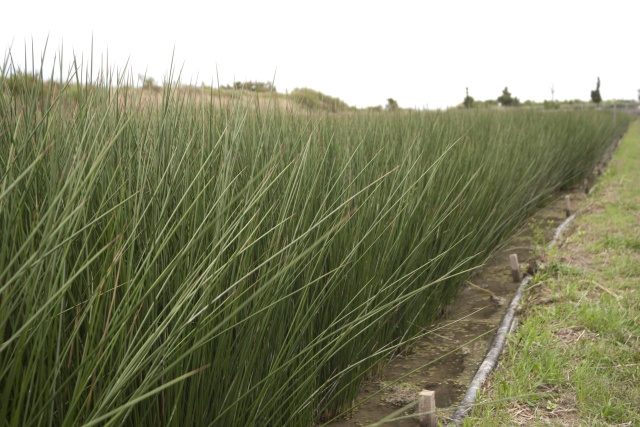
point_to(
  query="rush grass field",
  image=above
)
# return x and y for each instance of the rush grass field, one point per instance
(195, 261)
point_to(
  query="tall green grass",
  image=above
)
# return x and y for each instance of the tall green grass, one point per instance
(200, 262)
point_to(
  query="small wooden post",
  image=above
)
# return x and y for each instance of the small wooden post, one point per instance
(585, 183)
(515, 267)
(427, 409)
(567, 205)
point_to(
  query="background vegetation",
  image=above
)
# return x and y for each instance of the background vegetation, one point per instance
(315, 100)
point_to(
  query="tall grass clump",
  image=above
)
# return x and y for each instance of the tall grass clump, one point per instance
(186, 261)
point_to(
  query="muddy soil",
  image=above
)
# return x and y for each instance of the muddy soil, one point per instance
(447, 359)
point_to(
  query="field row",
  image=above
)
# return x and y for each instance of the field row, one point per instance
(188, 262)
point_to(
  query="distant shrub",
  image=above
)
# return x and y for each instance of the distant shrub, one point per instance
(148, 82)
(392, 105)
(318, 101)
(253, 86)
(20, 83)
(551, 105)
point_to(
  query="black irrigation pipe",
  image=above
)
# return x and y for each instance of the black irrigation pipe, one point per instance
(491, 360)
(497, 346)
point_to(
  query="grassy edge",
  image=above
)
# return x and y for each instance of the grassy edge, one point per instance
(576, 354)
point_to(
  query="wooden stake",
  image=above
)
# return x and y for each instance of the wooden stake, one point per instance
(427, 409)
(567, 205)
(515, 267)
(585, 183)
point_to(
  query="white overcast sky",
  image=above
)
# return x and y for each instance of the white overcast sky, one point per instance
(421, 53)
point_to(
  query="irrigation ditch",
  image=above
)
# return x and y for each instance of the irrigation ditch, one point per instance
(455, 357)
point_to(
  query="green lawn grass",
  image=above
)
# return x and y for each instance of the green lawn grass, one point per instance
(575, 359)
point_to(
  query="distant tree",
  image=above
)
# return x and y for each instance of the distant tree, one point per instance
(595, 94)
(254, 86)
(468, 100)
(506, 100)
(392, 104)
(147, 82)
